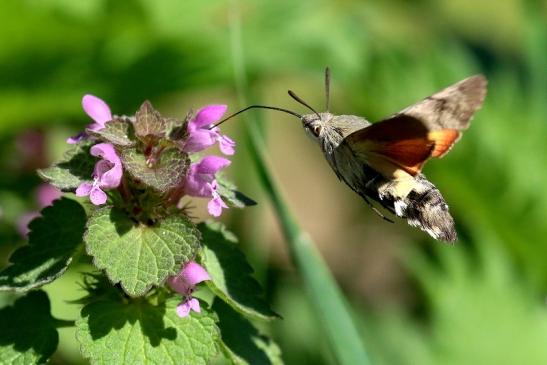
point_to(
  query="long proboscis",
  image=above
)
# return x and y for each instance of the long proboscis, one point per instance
(256, 107)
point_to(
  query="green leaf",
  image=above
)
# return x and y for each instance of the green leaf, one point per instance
(53, 239)
(118, 131)
(241, 342)
(75, 168)
(232, 197)
(113, 332)
(28, 334)
(166, 173)
(230, 273)
(138, 255)
(148, 121)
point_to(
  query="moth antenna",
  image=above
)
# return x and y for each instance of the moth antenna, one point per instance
(254, 107)
(293, 95)
(327, 88)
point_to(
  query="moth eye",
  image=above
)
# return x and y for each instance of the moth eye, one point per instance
(316, 130)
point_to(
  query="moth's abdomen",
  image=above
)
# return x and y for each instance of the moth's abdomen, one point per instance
(429, 212)
(407, 196)
(423, 207)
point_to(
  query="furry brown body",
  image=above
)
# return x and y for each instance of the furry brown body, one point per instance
(383, 161)
(410, 197)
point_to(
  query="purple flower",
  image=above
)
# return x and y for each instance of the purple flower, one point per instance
(215, 205)
(23, 221)
(184, 283)
(45, 195)
(200, 182)
(106, 175)
(98, 110)
(200, 136)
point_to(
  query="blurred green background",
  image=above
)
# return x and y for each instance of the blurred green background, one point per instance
(416, 301)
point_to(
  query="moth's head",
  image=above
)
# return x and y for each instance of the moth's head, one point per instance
(313, 123)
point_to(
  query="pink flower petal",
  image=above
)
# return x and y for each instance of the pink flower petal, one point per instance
(215, 206)
(46, 194)
(112, 178)
(201, 175)
(178, 284)
(189, 276)
(97, 196)
(183, 309)
(194, 305)
(199, 139)
(193, 273)
(211, 164)
(23, 223)
(197, 184)
(108, 171)
(95, 127)
(84, 189)
(97, 109)
(105, 151)
(101, 167)
(226, 145)
(208, 115)
(109, 175)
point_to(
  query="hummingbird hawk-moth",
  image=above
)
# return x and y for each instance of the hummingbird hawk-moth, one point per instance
(383, 161)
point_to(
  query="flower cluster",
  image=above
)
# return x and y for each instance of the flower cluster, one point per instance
(152, 138)
(201, 182)
(200, 179)
(184, 283)
(202, 134)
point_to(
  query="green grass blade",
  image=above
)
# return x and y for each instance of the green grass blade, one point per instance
(324, 294)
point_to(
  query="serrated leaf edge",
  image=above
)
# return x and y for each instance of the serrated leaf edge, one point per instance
(113, 282)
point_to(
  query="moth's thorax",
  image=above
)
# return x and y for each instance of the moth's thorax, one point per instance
(330, 130)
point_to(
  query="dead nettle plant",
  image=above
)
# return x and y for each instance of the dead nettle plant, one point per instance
(161, 289)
